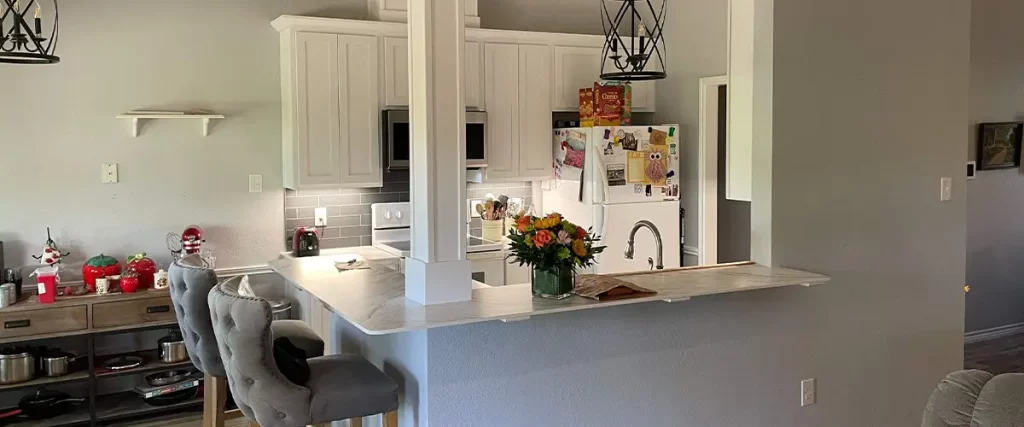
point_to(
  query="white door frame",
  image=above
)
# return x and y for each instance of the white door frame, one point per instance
(707, 215)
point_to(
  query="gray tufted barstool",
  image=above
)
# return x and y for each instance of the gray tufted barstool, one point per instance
(190, 284)
(976, 399)
(340, 386)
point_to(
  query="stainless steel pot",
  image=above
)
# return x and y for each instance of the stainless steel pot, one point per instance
(171, 348)
(56, 364)
(16, 366)
(281, 309)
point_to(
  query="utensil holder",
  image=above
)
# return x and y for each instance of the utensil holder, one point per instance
(493, 229)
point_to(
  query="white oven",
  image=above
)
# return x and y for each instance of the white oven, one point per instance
(390, 226)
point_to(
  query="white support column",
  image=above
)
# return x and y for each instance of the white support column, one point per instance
(437, 270)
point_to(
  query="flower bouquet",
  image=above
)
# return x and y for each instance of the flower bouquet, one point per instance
(554, 248)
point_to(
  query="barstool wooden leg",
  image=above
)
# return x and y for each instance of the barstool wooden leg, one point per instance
(391, 419)
(215, 397)
(355, 422)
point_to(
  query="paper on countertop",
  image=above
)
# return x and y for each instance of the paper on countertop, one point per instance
(353, 263)
(606, 288)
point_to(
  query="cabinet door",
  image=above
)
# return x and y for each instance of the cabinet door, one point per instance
(535, 112)
(359, 113)
(474, 77)
(316, 112)
(501, 75)
(643, 96)
(575, 68)
(396, 72)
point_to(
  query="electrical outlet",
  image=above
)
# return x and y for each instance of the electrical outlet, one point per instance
(255, 183)
(808, 394)
(947, 189)
(472, 207)
(108, 173)
(320, 217)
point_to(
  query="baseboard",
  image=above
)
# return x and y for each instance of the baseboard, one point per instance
(993, 333)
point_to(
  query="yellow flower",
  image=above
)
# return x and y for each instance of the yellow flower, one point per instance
(546, 223)
(579, 248)
(529, 240)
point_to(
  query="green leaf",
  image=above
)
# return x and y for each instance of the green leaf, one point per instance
(563, 253)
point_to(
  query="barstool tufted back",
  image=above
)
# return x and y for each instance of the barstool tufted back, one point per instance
(191, 282)
(242, 327)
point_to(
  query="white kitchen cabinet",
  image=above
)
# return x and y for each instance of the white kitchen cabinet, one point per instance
(331, 116)
(396, 73)
(579, 67)
(518, 99)
(575, 68)
(501, 75)
(397, 11)
(535, 128)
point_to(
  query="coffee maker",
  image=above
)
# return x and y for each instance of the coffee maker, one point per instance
(306, 242)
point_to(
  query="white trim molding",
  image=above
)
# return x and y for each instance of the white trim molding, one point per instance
(707, 215)
(692, 251)
(993, 333)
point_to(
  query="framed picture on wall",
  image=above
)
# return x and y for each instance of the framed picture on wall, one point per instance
(999, 145)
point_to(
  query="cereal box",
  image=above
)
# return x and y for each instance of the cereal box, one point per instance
(608, 103)
(587, 107)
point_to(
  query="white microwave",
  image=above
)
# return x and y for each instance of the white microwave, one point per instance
(396, 139)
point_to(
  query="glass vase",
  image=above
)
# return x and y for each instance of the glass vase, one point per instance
(556, 283)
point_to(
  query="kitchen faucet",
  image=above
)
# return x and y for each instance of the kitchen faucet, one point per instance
(657, 241)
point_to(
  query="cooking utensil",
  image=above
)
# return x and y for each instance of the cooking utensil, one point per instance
(166, 378)
(171, 349)
(17, 365)
(45, 403)
(480, 209)
(7, 295)
(172, 398)
(119, 363)
(56, 363)
(13, 275)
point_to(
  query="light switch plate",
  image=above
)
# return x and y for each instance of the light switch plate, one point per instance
(946, 193)
(255, 183)
(108, 173)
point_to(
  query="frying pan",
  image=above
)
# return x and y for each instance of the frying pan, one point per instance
(45, 404)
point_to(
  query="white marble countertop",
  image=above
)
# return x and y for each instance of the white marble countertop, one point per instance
(371, 253)
(374, 300)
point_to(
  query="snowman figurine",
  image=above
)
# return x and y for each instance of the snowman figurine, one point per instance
(51, 255)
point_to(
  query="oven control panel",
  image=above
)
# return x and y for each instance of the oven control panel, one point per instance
(391, 215)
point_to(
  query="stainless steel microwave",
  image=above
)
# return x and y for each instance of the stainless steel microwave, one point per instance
(397, 144)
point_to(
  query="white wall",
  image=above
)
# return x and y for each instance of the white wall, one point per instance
(57, 126)
(995, 228)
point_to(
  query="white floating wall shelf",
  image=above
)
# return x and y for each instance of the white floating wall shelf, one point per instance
(135, 117)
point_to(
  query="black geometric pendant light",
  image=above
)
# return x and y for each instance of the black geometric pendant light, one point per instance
(626, 57)
(22, 40)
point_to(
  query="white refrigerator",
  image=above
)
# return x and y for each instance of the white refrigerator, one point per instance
(609, 178)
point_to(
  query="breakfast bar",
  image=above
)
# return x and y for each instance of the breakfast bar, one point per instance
(564, 357)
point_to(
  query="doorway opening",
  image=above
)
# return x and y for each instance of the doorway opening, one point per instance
(724, 224)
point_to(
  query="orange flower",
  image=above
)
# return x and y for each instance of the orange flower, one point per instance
(524, 223)
(580, 233)
(579, 248)
(543, 238)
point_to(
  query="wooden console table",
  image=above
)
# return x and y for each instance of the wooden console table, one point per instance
(90, 316)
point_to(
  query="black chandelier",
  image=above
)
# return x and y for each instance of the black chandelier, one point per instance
(21, 43)
(629, 58)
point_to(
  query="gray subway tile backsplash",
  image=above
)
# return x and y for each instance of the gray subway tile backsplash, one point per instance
(348, 209)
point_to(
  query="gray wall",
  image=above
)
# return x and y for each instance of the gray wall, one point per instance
(995, 227)
(877, 338)
(57, 126)
(696, 39)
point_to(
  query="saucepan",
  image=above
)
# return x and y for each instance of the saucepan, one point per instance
(16, 365)
(56, 363)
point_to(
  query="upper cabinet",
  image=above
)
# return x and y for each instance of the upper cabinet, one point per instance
(331, 113)
(396, 73)
(578, 67)
(397, 11)
(518, 99)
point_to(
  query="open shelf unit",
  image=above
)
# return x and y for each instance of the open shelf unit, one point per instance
(109, 407)
(135, 117)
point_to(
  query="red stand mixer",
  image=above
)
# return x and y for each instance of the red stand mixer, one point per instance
(189, 242)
